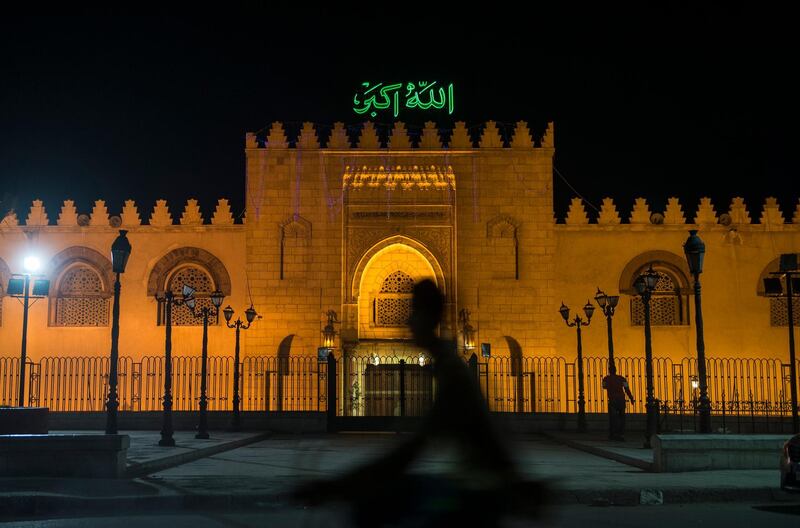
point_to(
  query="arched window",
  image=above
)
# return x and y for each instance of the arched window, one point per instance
(203, 284)
(778, 312)
(668, 304)
(392, 306)
(81, 299)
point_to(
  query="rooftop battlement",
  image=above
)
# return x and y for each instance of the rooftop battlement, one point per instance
(673, 215)
(129, 218)
(398, 138)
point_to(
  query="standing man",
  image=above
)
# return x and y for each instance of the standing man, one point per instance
(616, 387)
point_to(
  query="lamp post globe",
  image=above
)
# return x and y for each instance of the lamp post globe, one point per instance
(120, 252)
(32, 263)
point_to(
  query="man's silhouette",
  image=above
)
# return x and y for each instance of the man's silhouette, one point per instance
(616, 388)
(485, 483)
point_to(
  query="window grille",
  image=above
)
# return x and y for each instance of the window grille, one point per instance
(778, 313)
(666, 304)
(81, 300)
(203, 286)
(398, 282)
(393, 304)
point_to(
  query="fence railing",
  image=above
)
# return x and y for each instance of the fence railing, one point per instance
(371, 385)
(81, 383)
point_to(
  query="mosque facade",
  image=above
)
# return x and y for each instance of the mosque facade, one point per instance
(340, 233)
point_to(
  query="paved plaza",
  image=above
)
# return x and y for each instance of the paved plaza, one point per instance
(242, 471)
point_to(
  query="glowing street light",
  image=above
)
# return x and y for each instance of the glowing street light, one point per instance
(32, 264)
(19, 287)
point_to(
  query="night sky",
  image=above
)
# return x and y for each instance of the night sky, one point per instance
(658, 103)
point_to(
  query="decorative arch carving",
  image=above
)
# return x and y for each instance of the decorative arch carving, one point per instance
(296, 226)
(669, 261)
(188, 255)
(355, 279)
(295, 237)
(89, 307)
(502, 226)
(80, 254)
(503, 234)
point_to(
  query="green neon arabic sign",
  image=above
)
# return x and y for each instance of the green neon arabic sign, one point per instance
(423, 95)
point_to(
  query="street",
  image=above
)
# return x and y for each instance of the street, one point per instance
(730, 515)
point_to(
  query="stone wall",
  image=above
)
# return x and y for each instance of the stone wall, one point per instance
(481, 215)
(68, 242)
(608, 254)
(326, 224)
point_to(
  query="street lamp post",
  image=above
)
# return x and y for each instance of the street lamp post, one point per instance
(578, 322)
(791, 274)
(645, 285)
(608, 305)
(19, 287)
(695, 250)
(250, 314)
(205, 312)
(168, 298)
(120, 252)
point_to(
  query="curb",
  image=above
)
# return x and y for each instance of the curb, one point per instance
(617, 457)
(38, 505)
(151, 466)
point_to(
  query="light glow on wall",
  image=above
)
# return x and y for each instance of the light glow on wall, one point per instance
(32, 264)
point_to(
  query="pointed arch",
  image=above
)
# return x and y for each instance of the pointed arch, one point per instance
(162, 269)
(81, 284)
(295, 238)
(355, 281)
(669, 303)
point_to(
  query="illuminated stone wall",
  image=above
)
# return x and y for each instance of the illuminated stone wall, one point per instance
(170, 239)
(609, 254)
(323, 222)
(327, 224)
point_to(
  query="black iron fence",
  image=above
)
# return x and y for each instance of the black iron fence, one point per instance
(742, 390)
(81, 383)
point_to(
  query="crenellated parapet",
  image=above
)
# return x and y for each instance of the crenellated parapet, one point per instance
(99, 218)
(397, 137)
(673, 214)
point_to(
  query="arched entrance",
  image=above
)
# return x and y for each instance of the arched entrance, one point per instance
(381, 288)
(384, 291)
